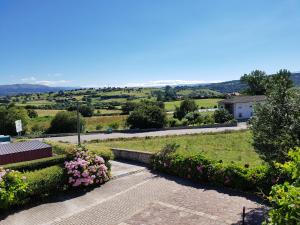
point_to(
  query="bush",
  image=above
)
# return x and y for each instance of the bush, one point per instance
(84, 110)
(66, 122)
(174, 122)
(12, 188)
(32, 113)
(99, 127)
(37, 164)
(285, 198)
(208, 119)
(147, 116)
(194, 118)
(114, 125)
(44, 182)
(200, 169)
(128, 107)
(222, 116)
(8, 116)
(186, 106)
(38, 128)
(86, 169)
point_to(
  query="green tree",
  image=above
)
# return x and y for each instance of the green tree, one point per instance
(255, 81)
(186, 106)
(128, 107)
(222, 116)
(276, 123)
(32, 113)
(8, 116)
(147, 116)
(170, 94)
(85, 110)
(66, 122)
(194, 118)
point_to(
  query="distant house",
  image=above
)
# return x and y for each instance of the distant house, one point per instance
(241, 107)
(24, 151)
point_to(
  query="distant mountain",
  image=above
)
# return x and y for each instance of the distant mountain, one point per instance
(237, 86)
(15, 89)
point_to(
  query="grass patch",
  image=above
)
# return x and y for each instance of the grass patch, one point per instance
(206, 103)
(104, 122)
(228, 146)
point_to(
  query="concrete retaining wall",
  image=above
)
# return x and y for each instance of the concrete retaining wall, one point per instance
(142, 157)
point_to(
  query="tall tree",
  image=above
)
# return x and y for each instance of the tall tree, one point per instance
(276, 123)
(255, 81)
(186, 106)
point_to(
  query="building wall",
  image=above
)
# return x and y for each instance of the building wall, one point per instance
(25, 156)
(243, 111)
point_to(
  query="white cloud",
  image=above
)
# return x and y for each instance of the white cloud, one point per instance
(34, 80)
(159, 83)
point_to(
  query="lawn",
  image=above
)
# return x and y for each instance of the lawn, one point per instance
(229, 146)
(206, 103)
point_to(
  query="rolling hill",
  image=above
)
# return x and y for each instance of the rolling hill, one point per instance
(237, 86)
(14, 89)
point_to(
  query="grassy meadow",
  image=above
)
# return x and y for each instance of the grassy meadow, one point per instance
(206, 103)
(227, 146)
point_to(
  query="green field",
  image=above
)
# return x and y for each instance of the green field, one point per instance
(230, 146)
(206, 103)
(105, 122)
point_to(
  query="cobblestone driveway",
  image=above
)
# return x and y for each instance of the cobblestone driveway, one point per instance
(144, 198)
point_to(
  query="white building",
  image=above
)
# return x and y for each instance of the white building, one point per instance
(241, 107)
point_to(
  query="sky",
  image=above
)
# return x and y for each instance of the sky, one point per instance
(99, 43)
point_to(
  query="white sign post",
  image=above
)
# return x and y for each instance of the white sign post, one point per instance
(19, 128)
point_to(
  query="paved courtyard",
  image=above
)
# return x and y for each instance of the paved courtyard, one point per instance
(136, 196)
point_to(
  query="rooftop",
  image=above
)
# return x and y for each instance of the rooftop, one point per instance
(244, 99)
(6, 149)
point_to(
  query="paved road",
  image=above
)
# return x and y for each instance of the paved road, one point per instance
(144, 198)
(90, 137)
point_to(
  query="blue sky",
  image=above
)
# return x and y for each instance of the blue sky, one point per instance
(144, 42)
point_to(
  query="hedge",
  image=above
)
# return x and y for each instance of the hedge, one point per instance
(36, 164)
(200, 169)
(45, 181)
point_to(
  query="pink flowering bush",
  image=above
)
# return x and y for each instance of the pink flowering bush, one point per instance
(12, 188)
(86, 169)
(201, 169)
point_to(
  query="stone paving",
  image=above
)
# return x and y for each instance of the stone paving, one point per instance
(144, 198)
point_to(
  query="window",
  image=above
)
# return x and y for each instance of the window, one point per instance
(250, 106)
(240, 115)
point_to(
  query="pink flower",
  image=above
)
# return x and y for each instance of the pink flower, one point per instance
(200, 168)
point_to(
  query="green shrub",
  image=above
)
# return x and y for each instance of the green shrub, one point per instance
(99, 127)
(222, 116)
(32, 113)
(37, 164)
(147, 115)
(114, 125)
(8, 116)
(285, 198)
(201, 169)
(12, 188)
(66, 122)
(186, 106)
(45, 181)
(174, 122)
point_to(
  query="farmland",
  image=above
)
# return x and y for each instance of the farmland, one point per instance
(204, 103)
